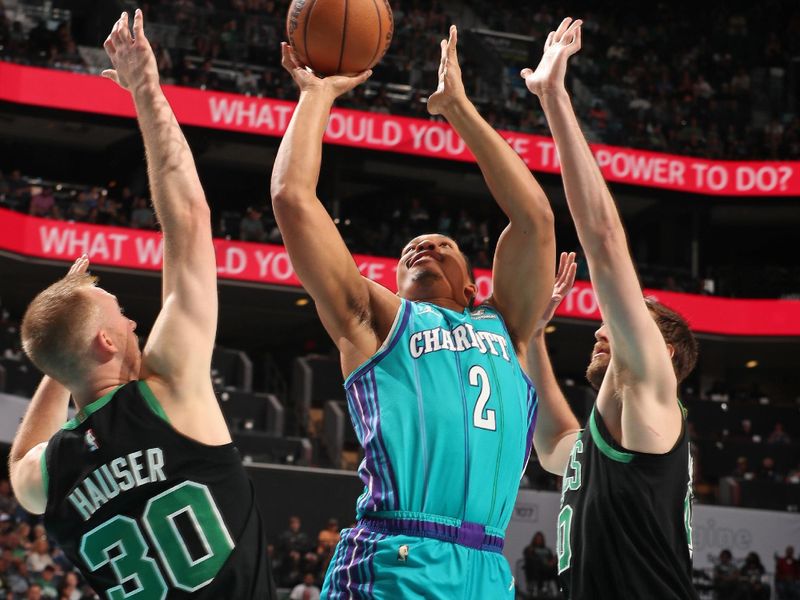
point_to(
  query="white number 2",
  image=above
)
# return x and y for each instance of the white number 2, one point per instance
(478, 377)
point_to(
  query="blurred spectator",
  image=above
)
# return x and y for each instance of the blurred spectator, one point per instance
(328, 538)
(726, 578)
(540, 567)
(767, 471)
(47, 582)
(787, 576)
(744, 433)
(69, 588)
(307, 590)
(742, 470)
(247, 82)
(8, 504)
(779, 435)
(294, 539)
(251, 228)
(752, 574)
(39, 556)
(142, 216)
(43, 204)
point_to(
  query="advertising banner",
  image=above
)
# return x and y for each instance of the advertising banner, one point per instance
(270, 264)
(421, 137)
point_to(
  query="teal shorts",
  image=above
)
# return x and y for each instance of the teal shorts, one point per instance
(379, 560)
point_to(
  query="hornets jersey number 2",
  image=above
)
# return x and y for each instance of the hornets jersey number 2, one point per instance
(445, 415)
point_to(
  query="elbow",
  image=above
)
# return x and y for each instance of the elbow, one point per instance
(537, 220)
(286, 196)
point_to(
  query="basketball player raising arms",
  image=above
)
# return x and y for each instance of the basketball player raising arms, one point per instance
(143, 489)
(434, 385)
(624, 529)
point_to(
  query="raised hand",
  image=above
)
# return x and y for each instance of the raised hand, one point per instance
(450, 88)
(565, 278)
(79, 266)
(559, 46)
(133, 59)
(336, 85)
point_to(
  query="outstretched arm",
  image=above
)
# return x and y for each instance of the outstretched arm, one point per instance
(177, 357)
(556, 425)
(46, 414)
(356, 312)
(640, 360)
(525, 253)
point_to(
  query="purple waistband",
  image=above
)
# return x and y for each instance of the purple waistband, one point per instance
(471, 535)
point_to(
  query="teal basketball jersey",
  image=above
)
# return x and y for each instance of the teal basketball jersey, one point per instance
(445, 415)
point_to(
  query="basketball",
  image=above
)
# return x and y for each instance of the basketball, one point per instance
(340, 36)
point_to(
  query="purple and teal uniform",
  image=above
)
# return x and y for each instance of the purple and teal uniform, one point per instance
(445, 415)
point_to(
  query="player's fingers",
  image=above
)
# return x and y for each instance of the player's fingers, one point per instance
(549, 41)
(525, 73)
(109, 46)
(293, 59)
(453, 41)
(561, 262)
(124, 29)
(287, 60)
(363, 76)
(561, 29)
(574, 25)
(115, 30)
(138, 24)
(443, 57)
(110, 74)
(573, 269)
(577, 41)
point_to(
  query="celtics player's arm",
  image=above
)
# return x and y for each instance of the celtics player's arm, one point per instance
(357, 313)
(556, 426)
(176, 360)
(640, 361)
(525, 253)
(46, 414)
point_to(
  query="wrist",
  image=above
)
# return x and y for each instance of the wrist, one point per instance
(552, 94)
(146, 90)
(458, 107)
(318, 93)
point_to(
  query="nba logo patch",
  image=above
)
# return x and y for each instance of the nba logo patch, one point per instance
(91, 441)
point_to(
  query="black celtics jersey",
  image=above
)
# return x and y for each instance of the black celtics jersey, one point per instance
(147, 513)
(624, 528)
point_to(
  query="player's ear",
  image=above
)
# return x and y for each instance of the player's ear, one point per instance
(471, 291)
(103, 346)
(671, 350)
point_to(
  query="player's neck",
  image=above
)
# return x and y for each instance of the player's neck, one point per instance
(99, 382)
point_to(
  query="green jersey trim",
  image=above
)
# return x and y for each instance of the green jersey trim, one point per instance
(151, 400)
(88, 410)
(603, 445)
(45, 474)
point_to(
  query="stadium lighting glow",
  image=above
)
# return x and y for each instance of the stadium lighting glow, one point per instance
(301, 301)
(550, 329)
(751, 364)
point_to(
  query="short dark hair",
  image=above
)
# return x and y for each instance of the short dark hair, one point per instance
(677, 333)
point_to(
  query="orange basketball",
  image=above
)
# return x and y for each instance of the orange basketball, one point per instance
(340, 36)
